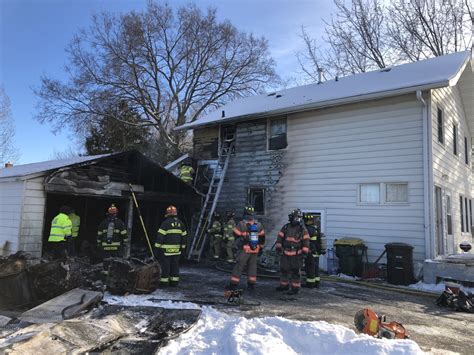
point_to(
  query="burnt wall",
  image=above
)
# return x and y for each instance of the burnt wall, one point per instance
(205, 143)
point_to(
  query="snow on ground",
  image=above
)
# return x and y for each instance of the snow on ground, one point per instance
(220, 333)
(436, 288)
(143, 300)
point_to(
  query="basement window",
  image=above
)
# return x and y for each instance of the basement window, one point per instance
(256, 198)
(277, 134)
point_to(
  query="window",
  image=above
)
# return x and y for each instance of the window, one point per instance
(470, 213)
(455, 139)
(449, 220)
(277, 134)
(466, 151)
(256, 198)
(440, 126)
(462, 214)
(466, 212)
(396, 193)
(369, 193)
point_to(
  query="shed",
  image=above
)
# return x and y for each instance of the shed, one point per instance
(31, 195)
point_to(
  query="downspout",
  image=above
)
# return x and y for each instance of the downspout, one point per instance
(426, 174)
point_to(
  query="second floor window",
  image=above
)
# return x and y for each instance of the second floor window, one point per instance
(277, 134)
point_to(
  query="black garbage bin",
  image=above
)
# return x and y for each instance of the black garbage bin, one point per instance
(350, 252)
(399, 263)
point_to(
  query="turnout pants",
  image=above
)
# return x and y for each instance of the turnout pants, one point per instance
(290, 269)
(312, 269)
(169, 269)
(229, 244)
(215, 246)
(112, 253)
(245, 261)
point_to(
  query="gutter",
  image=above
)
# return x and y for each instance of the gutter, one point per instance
(427, 174)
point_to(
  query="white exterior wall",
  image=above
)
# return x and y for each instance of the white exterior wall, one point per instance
(31, 228)
(330, 152)
(11, 201)
(449, 171)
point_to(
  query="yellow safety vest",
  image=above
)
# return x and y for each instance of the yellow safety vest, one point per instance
(186, 173)
(76, 222)
(61, 227)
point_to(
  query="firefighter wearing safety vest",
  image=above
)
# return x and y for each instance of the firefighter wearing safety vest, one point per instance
(170, 241)
(60, 233)
(112, 235)
(215, 232)
(250, 238)
(228, 236)
(317, 246)
(186, 173)
(76, 222)
(292, 243)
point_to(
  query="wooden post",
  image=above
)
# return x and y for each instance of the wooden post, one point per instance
(129, 226)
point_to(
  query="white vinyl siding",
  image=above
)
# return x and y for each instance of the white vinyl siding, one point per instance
(450, 171)
(11, 201)
(331, 152)
(31, 229)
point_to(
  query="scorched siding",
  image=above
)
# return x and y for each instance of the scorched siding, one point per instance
(11, 201)
(331, 151)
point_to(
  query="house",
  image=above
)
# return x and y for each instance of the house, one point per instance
(31, 194)
(384, 155)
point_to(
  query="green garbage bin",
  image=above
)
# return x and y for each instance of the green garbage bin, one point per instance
(350, 252)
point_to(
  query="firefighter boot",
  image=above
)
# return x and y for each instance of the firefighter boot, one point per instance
(293, 291)
(316, 284)
(309, 285)
(283, 288)
(251, 287)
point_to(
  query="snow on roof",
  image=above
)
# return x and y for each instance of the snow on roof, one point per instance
(421, 75)
(34, 168)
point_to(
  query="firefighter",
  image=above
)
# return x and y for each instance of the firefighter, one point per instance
(73, 242)
(228, 236)
(112, 235)
(292, 243)
(215, 232)
(317, 246)
(170, 241)
(60, 233)
(186, 172)
(250, 238)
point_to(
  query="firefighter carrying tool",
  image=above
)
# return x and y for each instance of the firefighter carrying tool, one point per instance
(250, 239)
(112, 235)
(317, 246)
(368, 322)
(292, 242)
(170, 241)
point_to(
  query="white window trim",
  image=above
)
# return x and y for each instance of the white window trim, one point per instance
(383, 194)
(443, 121)
(448, 194)
(269, 119)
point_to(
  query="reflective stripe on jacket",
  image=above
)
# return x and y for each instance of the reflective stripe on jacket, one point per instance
(111, 234)
(76, 222)
(241, 232)
(229, 230)
(293, 240)
(216, 229)
(61, 227)
(186, 173)
(171, 237)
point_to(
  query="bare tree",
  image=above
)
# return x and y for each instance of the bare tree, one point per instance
(8, 152)
(367, 35)
(169, 66)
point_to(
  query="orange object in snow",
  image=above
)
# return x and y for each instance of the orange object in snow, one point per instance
(368, 322)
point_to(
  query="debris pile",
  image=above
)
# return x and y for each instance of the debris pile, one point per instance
(131, 276)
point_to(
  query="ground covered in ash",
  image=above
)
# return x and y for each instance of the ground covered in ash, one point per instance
(316, 321)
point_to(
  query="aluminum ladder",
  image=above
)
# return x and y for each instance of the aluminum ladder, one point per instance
(212, 197)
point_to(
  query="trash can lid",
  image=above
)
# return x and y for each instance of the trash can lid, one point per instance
(349, 241)
(398, 246)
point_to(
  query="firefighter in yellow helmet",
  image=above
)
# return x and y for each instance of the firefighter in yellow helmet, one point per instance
(317, 247)
(250, 239)
(112, 235)
(170, 242)
(60, 233)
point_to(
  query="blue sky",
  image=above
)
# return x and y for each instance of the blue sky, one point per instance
(34, 33)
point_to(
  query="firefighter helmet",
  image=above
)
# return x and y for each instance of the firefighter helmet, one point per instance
(295, 217)
(171, 211)
(309, 218)
(112, 209)
(230, 214)
(65, 209)
(249, 210)
(217, 216)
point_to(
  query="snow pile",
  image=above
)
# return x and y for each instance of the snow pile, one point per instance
(220, 333)
(436, 288)
(143, 300)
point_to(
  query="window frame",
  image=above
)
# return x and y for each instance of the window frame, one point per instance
(383, 193)
(269, 130)
(249, 192)
(466, 150)
(440, 120)
(455, 139)
(449, 215)
(359, 194)
(461, 199)
(395, 202)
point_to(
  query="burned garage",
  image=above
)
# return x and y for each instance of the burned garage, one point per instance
(31, 195)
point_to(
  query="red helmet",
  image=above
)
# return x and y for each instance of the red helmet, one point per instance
(171, 211)
(112, 209)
